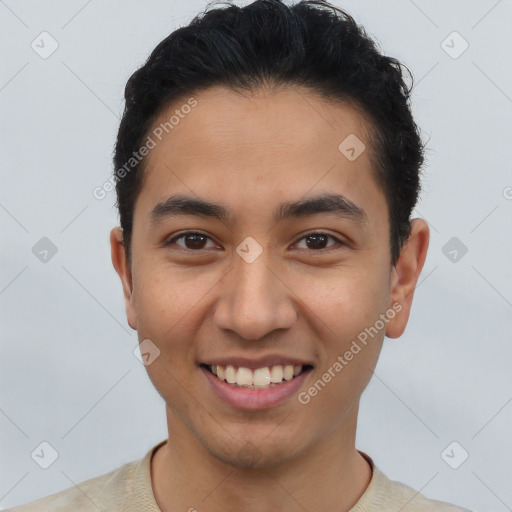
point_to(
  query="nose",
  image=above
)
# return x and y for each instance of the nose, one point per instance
(254, 301)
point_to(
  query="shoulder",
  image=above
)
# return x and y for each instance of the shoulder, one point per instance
(413, 501)
(104, 492)
(384, 494)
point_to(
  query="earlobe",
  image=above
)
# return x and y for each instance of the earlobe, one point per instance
(404, 276)
(124, 271)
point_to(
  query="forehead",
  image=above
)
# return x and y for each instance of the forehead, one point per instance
(223, 120)
(276, 143)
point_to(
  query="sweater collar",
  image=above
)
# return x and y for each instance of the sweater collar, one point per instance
(144, 498)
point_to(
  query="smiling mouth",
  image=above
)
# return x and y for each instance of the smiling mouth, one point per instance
(257, 378)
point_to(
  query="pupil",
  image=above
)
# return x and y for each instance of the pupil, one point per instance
(197, 241)
(315, 245)
(194, 239)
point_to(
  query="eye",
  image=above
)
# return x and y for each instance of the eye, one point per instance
(192, 240)
(196, 241)
(317, 241)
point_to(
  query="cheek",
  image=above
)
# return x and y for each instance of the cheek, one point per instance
(163, 302)
(347, 302)
(349, 311)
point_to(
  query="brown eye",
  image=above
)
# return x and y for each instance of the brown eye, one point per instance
(191, 240)
(318, 241)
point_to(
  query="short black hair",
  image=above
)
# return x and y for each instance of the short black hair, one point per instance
(311, 44)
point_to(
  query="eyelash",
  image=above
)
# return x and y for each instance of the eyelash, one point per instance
(315, 233)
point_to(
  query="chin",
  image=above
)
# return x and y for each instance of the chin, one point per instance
(252, 454)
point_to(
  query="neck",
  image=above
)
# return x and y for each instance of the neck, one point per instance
(330, 475)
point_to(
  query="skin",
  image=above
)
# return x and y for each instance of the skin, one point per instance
(250, 153)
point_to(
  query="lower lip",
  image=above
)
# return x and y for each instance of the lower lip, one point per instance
(254, 399)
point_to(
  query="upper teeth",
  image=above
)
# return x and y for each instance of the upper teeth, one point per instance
(258, 377)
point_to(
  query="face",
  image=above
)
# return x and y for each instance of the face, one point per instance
(259, 245)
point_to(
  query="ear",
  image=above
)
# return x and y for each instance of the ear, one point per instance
(124, 271)
(404, 276)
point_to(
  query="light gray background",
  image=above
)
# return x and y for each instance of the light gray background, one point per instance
(68, 373)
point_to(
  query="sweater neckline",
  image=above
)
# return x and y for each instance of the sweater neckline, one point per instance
(142, 480)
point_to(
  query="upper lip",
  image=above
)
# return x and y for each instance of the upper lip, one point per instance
(260, 362)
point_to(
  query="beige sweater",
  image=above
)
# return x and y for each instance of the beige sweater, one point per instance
(128, 489)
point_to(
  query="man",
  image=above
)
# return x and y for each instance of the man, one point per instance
(267, 165)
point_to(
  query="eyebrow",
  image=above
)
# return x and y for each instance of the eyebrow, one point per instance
(332, 204)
